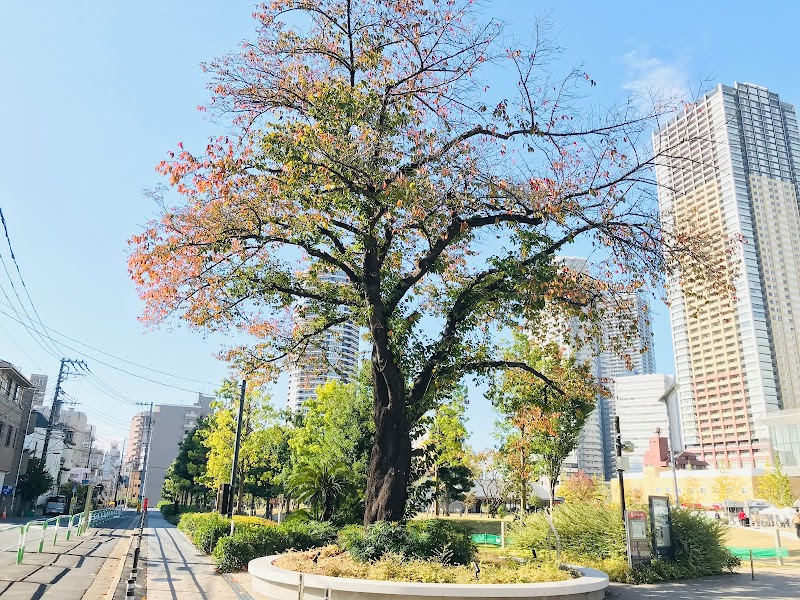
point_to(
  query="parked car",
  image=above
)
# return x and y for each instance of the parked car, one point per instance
(56, 505)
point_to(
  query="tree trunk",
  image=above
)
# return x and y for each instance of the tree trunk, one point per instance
(390, 461)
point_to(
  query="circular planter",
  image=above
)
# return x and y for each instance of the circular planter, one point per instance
(275, 583)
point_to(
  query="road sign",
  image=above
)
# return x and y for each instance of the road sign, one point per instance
(74, 489)
(84, 482)
(8, 490)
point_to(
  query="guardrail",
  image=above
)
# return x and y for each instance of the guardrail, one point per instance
(75, 521)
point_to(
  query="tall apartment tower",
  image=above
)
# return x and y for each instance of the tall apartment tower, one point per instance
(608, 359)
(334, 357)
(730, 165)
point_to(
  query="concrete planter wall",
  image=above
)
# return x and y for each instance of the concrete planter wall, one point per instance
(275, 583)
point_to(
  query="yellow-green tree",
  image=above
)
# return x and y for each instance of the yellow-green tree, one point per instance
(774, 486)
(727, 486)
(581, 488)
(689, 490)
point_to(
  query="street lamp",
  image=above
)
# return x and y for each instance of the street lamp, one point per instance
(622, 465)
(670, 452)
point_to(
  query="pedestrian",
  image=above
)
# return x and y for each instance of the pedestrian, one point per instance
(742, 517)
(716, 516)
(796, 522)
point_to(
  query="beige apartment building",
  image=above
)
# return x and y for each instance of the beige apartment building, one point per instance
(729, 165)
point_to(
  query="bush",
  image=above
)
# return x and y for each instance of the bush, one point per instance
(204, 529)
(232, 553)
(172, 513)
(594, 537)
(445, 541)
(448, 542)
(595, 531)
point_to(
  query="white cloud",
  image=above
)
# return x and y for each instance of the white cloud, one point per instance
(651, 76)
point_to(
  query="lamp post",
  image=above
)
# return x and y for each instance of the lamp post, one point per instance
(622, 464)
(670, 451)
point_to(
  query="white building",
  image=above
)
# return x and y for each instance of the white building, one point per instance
(334, 356)
(636, 403)
(730, 167)
(624, 346)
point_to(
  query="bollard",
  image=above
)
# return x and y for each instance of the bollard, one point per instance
(41, 540)
(752, 570)
(134, 573)
(55, 535)
(778, 557)
(136, 558)
(502, 534)
(21, 549)
(130, 590)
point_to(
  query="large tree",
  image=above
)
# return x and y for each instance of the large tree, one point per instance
(366, 142)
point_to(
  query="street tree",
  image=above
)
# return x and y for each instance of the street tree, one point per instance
(581, 488)
(35, 481)
(371, 174)
(540, 426)
(727, 486)
(445, 474)
(184, 479)
(774, 486)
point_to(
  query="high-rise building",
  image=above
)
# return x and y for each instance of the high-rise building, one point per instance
(39, 383)
(636, 403)
(171, 422)
(729, 165)
(623, 346)
(334, 356)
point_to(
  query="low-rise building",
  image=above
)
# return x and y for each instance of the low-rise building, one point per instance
(16, 394)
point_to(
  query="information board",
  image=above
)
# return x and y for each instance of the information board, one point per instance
(638, 538)
(661, 527)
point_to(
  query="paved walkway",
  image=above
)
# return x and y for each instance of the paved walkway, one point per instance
(784, 585)
(177, 570)
(83, 567)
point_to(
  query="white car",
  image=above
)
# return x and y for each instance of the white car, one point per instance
(56, 505)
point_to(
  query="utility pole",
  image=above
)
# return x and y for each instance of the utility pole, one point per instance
(236, 449)
(143, 477)
(119, 470)
(55, 409)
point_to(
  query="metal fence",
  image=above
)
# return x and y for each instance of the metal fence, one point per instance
(75, 523)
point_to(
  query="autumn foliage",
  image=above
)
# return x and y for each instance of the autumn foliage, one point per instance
(404, 146)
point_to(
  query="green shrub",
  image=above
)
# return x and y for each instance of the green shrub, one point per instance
(204, 529)
(699, 544)
(593, 536)
(445, 541)
(448, 542)
(308, 534)
(595, 531)
(232, 553)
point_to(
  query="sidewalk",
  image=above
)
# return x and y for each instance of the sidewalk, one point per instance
(177, 570)
(739, 586)
(70, 570)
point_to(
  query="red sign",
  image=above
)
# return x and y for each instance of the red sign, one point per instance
(144, 506)
(638, 540)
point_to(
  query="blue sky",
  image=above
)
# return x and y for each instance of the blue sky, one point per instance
(95, 93)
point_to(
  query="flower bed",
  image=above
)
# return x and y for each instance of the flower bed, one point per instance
(277, 583)
(332, 561)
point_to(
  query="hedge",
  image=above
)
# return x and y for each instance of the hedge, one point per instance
(232, 553)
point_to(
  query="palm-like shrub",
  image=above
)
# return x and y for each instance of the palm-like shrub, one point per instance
(322, 487)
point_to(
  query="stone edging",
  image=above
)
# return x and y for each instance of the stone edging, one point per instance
(592, 583)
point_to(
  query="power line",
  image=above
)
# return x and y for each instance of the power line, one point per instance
(116, 368)
(22, 280)
(119, 358)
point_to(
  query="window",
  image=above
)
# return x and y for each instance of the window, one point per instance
(8, 435)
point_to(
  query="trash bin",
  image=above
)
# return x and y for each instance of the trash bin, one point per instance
(747, 521)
